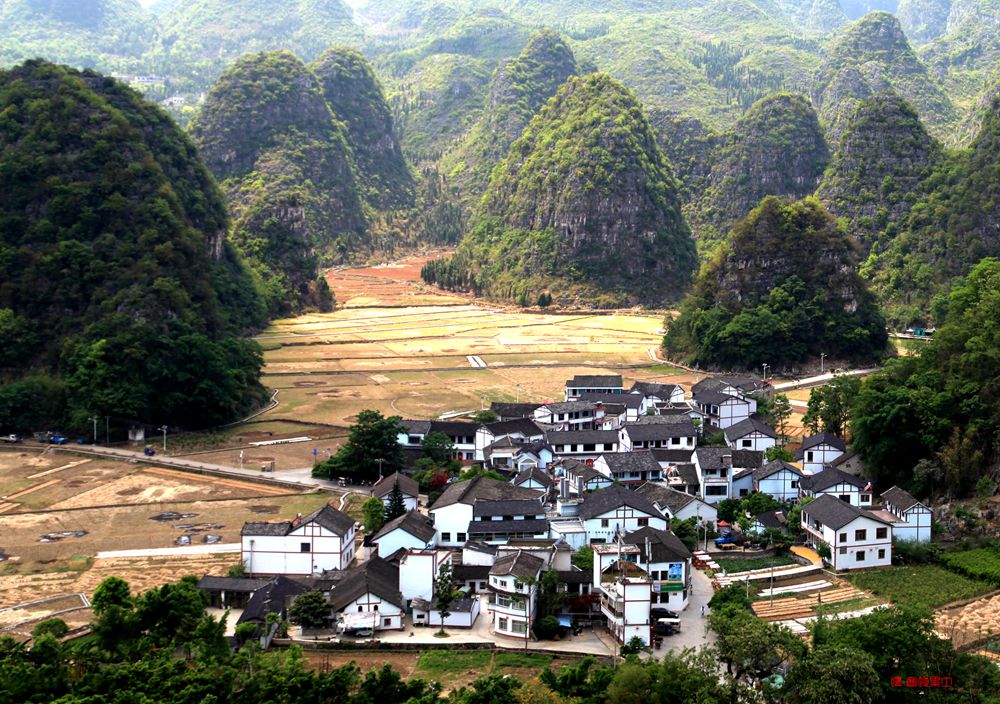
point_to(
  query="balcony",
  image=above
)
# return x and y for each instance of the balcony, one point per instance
(612, 608)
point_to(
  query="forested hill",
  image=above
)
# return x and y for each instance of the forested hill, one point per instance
(119, 294)
(585, 202)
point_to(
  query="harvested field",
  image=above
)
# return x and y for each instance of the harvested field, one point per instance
(804, 607)
(972, 622)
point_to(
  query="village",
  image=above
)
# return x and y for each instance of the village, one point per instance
(568, 533)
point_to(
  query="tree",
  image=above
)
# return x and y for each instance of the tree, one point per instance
(310, 610)
(728, 509)
(52, 626)
(373, 515)
(833, 674)
(397, 504)
(111, 592)
(479, 471)
(547, 627)
(372, 449)
(780, 412)
(758, 503)
(748, 645)
(733, 594)
(550, 598)
(830, 405)
(438, 447)
(485, 417)
(778, 453)
(583, 558)
(444, 593)
(686, 530)
(237, 571)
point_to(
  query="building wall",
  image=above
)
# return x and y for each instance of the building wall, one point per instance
(733, 412)
(452, 524)
(390, 616)
(625, 519)
(409, 501)
(845, 545)
(399, 538)
(757, 441)
(466, 619)
(856, 496)
(417, 572)
(284, 554)
(821, 455)
(782, 485)
(917, 526)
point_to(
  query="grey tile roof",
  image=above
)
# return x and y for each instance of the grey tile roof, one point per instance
(277, 528)
(416, 427)
(773, 468)
(534, 526)
(480, 546)
(899, 499)
(413, 522)
(664, 545)
(640, 461)
(830, 477)
(327, 516)
(539, 475)
(574, 577)
(711, 397)
(376, 576)
(748, 426)
(230, 584)
(519, 564)
(407, 485)
(454, 427)
(588, 381)
(653, 388)
(675, 456)
(482, 488)
(748, 459)
(773, 519)
(471, 572)
(513, 410)
(508, 507)
(712, 457)
(613, 497)
(524, 426)
(580, 437)
(627, 400)
(820, 439)
(833, 512)
(686, 472)
(273, 598)
(569, 406)
(644, 432)
(661, 494)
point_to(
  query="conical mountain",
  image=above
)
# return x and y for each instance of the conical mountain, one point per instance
(585, 202)
(777, 148)
(876, 47)
(876, 173)
(120, 294)
(283, 160)
(518, 90)
(782, 288)
(356, 98)
(948, 230)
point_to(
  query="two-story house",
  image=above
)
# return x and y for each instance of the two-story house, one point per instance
(513, 593)
(626, 591)
(714, 466)
(667, 562)
(454, 510)
(914, 517)
(411, 531)
(593, 384)
(841, 485)
(461, 433)
(631, 407)
(856, 538)
(569, 415)
(654, 393)
(517, 430)
(368, 596)
(659, 432)
(321, 541)
(678, 504)
(751, 434)
(617, 510)
(582, 444)
(534, 478)
(778, 479)
(407, 486)
(722, 402)
(819, 450)
(499, 521)
(629, 467)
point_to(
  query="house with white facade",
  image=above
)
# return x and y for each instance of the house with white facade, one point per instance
(411, 531)
(914, 517)
(769, 520)
(678, 504)
(778, 479)
(418, 570)
(856, 538)
(517, 430)
(461, 433)
(841, 485)
(582, 444)
(407, 485)
(617, 510)
(714, 466)
(629, 467)
(510, 454)
(631, 407)
(499, 521)
(513, 593)
(534, 478)
(569, 415)
(453, 511)
(751, 434)
(626, 591)
(654, 393)
(742, 483)
(321, 541)
(723, 402)
(462, 613)
(659, 432)
(593, 384)
(368, 596)
(667, 561)
(819, 450)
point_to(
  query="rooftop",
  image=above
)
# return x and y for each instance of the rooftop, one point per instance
(835, 513)
(413, 522)
(520, 564)
(748, 426)
(480, 489)
(613, 497)
(823, 438)
(407, 485)
(376, 576)
(586, 381)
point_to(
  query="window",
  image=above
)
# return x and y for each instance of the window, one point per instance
(809, 457)
(859, 556)
(604, 523)
(446, 537)
(866, 498)
(375, 608)
(461, 538)
(502, 624)
(843, 537)
(413, 439)
(675, 441)
(843, 551)
(861, 534)
(519, 627)
(746, 443)
(845, 497)
(303, 547)
(643, 522)
(387, 622)
(715, 490)
(794, 484)
(361, 609)
(881, 554)
(744, 492)
(881, 533)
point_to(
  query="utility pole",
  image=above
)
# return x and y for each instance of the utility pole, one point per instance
(164, 429)
(517, 387)
(822, 359)
(94, 418)
(765, 365)
(380, 461)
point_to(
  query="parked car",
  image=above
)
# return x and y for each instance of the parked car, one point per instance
(58, 440)
(13, 437)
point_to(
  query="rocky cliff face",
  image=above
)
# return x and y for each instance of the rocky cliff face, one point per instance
(284, 162)
(355, 95)
(968, 51)
(584, 198)
(923, 20)
(876, 48)
(518, 90)
(777, 148)
(876, 173)
(824, 15)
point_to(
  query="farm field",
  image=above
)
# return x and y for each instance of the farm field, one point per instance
(921, 586)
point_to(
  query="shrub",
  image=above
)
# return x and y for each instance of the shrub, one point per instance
(547, 628)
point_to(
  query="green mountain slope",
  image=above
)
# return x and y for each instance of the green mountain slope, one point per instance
(518, 90)
(584, 203)
(968, 51)
(876, 173)
(355, 95)
(923, 20)
(119, 294)
(782, 289)
(777, 148)
(876, 48)
(267, 134)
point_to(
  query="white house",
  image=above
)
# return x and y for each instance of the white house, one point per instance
(534, 478)
(503, 520)
(632, 406)
(582, 444)
(514, 588)
(461, 433)
(569, 415)
(518, 430)
(742, 483)
(617, 510)
(679, 504)
(667, 562)
(654, 393)
(723, 401)
(819, 450)
(778, 479)
(411, 531)
(629, 467)
(914, 518)
(856, 538)
(715, 472)
(509, 453)
(462, 613)
(769, 520)
(453, 511)
(407, 485)
(418, 569)
(323, 540)
(751, 434)
(625, 591)
(368, 596)
(593, 384)
(846, 487)
(582, 477)
(659, 432)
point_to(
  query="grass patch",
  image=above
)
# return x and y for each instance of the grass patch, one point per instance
(981, 563)
(923, 586)
(862, 602)
(520, 661)
(436, 664)
(739, 564)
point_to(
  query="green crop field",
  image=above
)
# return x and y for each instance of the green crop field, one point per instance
(922, 586)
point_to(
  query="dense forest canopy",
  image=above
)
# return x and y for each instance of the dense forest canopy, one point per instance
(109, 213)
